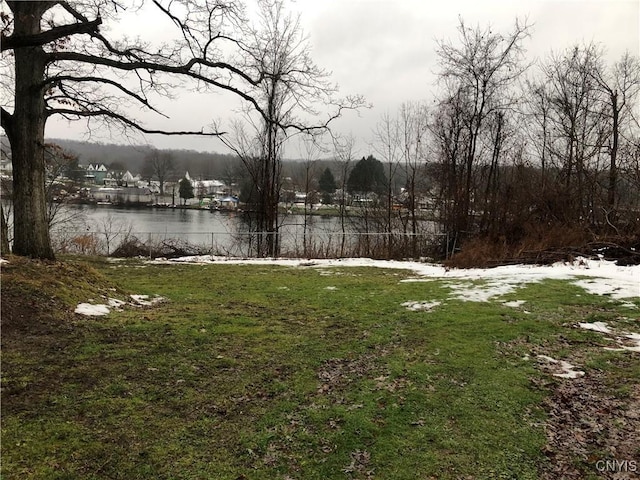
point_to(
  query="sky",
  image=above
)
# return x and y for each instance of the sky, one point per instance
(385, 50)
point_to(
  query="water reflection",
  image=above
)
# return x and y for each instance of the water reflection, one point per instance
(104, 227)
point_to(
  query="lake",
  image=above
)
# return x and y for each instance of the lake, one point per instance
(217, 231)
(102, 228)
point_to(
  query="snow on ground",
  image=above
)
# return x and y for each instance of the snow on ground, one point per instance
(566, 370)
(100, 309)
(596, 327)
(146, 301)
(420, 306)
(475, 284)
(622, 338)
(514, 303)
(92, 310)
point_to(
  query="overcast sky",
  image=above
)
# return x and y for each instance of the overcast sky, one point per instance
(385, 50)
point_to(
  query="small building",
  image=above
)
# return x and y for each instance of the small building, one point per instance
(228, 203)
(129, 180)
(96, 173)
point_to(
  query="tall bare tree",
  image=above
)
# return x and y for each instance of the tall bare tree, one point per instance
(413, 129)
(477, 73)
(64, 65)
(161, 165)
(577, 126)
(344, 148)
(293, 95)
(620, 86)
(386, 143)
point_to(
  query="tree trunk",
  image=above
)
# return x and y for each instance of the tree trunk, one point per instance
(613, 167)
(4, 234)
(26, 136)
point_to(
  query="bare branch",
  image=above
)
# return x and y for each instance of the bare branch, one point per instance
(126, 121)
(14, 41)
(60, 78)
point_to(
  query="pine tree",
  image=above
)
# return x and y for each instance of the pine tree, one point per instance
(186, 190)
(327, 184)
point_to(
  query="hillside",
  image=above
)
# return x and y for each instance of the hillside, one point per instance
(206, 164)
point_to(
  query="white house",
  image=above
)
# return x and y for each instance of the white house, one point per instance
(207, 188)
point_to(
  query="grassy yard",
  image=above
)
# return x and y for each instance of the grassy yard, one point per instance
(266, 372)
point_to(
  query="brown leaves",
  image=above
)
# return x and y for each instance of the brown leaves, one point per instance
(588, 424)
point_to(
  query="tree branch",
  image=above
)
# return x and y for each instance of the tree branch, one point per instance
(119, 86)
(7, 120)
(185, 69)
(127, 121)
(21, 41)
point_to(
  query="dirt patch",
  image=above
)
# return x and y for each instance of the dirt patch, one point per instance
(337, 373)
(591, 432)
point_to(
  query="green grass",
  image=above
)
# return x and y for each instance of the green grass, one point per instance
(264, 372)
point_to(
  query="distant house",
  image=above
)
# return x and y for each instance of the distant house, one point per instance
(96, 173)
(228, 203)
(128, 180)
(207, 188)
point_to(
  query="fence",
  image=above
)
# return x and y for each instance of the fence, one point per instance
(294, 244)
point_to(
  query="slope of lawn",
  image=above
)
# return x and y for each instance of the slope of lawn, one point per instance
(267, 372)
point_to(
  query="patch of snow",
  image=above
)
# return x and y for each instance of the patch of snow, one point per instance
(514, 303)
(420, 306)
(634, 337)
(596, 327)
(91, 309)
(596, 287)
(566, 369)
(101, 309)
(547, 359)
(602, 327)
(605, 277)
(469, 292)
(628, 305)
(115, 303)
(144, 300)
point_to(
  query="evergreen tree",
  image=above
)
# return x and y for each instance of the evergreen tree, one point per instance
(367, 176)
(186, 190)
(327, 184)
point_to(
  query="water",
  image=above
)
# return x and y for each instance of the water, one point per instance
(214, 231)
(100, 229)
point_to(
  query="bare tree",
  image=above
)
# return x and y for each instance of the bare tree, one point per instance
(59, 164)
(413, 130)
(477, 75)
(64, 65)
(620, 87)
(161, 164)
(293, 95)
(310, 151)
(386, 135)
(111, 228)
(344, 153)
(577, 127)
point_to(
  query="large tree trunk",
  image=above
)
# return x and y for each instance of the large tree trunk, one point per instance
(26, 136)
(4, 234)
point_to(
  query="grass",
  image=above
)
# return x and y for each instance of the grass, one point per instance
(264, 372)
